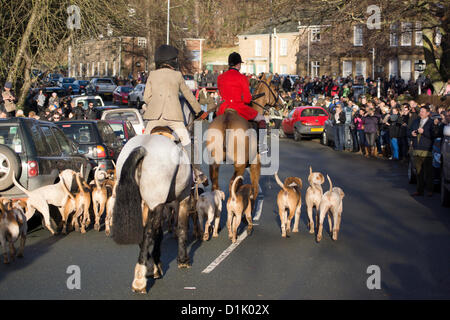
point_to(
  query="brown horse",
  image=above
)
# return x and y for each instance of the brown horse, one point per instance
(229, 138)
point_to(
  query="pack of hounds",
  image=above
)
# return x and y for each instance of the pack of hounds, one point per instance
(205, 210)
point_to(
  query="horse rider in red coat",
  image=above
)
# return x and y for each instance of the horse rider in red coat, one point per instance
(235, 91)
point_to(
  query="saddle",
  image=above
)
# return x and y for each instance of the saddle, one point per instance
(165, 131)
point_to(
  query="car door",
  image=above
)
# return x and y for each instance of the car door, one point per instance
(72, 160)
(287, 123)
(109, 139)
(56, 158)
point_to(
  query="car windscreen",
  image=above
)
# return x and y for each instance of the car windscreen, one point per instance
(68, 80)
(82, 133)
(10, 136)
(118, 130)
(104, 81)
(130, 116)
(126, 89)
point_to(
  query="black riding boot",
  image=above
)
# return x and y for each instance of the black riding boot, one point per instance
(199, 176)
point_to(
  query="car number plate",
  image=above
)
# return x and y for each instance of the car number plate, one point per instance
(316, 129)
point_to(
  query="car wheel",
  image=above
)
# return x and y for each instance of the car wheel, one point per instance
(9, 163)
(412, 179)
(297, 136)
(445, 193)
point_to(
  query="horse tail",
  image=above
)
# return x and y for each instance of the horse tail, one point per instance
(233, 187)
(127, 212)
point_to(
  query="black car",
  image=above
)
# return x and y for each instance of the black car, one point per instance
(36, 151)
(445, 163)
(95, 139)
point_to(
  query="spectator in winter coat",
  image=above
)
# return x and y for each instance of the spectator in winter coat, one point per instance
(370, 122)
(338, 119)
(394, 123)
(359, 126)
(422, 134)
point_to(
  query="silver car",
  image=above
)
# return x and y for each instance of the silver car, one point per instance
(101, 86)
(136, 96)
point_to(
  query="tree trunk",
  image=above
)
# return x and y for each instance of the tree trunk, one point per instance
(26, 84)
(35, 16)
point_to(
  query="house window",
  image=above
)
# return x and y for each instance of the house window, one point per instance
(283, 69)
(347, 68)
(406, 34)
(360, 67)
(81, 69)
(405, 69)
(393, 68)
(358, 36)
(315, 65)
(283, 47)
(315, 34)
(394, 36)
(258, 48)
(260, 68)
(419, 35)
(142, 42)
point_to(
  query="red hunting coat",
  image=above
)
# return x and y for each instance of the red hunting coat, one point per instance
(234, 90)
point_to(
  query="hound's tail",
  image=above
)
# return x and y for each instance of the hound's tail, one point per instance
(66, 191)
(97, 183)
(281, 184)
(127, 212)
(233, 187)
(331, 185)
(18, 185)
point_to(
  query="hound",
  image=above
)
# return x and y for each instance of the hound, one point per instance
(331, 203)
(82, 204)
(99, 197)
(314, 196)
(55, 194)
(209, 205)
(239, 203)
(289, 198)
(13, 225)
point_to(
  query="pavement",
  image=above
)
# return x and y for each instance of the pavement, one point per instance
(407, 239)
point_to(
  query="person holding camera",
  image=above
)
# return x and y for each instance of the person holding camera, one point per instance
(422, 132)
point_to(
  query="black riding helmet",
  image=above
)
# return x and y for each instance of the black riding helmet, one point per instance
(234, 58)
(166, 55)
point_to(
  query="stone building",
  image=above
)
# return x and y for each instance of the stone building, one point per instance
(318, 50)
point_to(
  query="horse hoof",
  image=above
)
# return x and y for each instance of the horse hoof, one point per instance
(157, 271)
(206, 237)
(184, 266)
(215, 235)
(311, 231)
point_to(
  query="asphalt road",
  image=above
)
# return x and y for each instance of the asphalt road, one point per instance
(382, 225)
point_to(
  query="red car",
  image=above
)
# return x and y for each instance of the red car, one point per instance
(305, 121)
(120, 94)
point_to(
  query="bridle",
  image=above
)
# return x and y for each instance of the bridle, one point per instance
(275, 96)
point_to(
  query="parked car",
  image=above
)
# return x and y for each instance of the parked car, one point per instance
(82, 84)
(99, 110)
(49, 90)
(96, 139)
(120, 94)
(327, 138)
(123, 129)
(67, 80)
(305, 121)
(190, 82)
(445, 168)
(101, 86)
(36, 151)
(131, 114)
(97, 100)
(136, 96)
(53, 78)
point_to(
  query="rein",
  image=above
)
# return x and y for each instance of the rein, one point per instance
(267, 106)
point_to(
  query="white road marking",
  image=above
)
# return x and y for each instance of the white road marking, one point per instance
(241, 238)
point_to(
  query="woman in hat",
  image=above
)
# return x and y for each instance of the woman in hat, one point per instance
(9, 99)
(163, 104)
